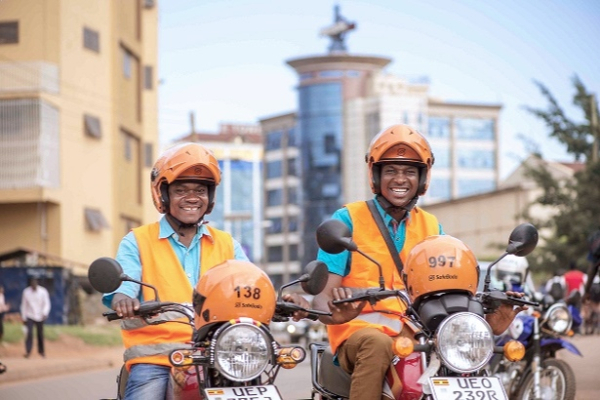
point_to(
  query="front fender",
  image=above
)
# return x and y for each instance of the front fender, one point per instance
(560, 342)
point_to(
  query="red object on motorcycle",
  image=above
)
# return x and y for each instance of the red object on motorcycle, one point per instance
(402, 377)
(185, 383)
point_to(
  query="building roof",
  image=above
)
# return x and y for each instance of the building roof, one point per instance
(228, 133)
(24, 257)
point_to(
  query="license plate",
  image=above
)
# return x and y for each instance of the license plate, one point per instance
(469, 388)
(267, 392)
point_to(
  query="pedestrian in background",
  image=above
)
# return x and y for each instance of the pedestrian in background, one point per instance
(3, 309)
(35, 308)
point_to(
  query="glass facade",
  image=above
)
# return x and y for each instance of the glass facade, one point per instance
(475, 159)
(320, 128)
(439, 128)
(474, 128)
(241, 203)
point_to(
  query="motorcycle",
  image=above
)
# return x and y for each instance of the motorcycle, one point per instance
(232, 353)
(450, 344)
(539, 375)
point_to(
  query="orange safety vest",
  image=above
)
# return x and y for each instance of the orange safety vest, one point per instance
(151, 344)
(365, 274)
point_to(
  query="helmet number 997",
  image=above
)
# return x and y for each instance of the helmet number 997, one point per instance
(441, 261)
(247, 292)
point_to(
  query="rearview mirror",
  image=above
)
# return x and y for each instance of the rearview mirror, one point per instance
(105, 275)
(315, 278)
(333, 236)
(522, 240)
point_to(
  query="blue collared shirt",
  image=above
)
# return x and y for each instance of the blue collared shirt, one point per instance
(128, 255)
(339, 264)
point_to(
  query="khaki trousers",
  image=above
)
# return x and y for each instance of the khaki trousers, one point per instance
(367, 355)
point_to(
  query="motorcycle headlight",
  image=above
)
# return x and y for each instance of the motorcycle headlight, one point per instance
(241, 352)
(558, 318)
(465, 342)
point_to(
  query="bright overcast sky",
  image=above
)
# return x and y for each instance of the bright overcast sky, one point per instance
(225, 59)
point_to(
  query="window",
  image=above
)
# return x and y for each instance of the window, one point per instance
(129, 224)
(276, 225)
(274, 140)
(9, 32)
(275, 197)
(293, 249)
(439, 128)
(127, 63)
(148, 77)
(92, 126)
(95, 221)
(475, 129)
(293, 224)
(148, 155)
(329, 144)
(91, 39)
(275, 254)
(292, 167)
(274, 169)
(467, 187)
(292, 195)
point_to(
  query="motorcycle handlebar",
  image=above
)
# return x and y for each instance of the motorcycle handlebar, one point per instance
(492, 300)
(148, 309)
(372, 296)
(284, 310)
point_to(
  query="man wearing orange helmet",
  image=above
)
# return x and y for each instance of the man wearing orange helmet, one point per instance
(399, 161)
(170, 254)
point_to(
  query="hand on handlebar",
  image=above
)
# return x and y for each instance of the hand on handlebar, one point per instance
(125, 306)
(300, 301)
(501, 318)
(344, 312)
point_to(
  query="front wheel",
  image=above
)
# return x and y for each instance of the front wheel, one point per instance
(557, 382)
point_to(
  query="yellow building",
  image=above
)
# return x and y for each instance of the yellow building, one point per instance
(78, 124)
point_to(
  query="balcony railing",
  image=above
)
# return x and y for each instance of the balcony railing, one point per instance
(29, 150)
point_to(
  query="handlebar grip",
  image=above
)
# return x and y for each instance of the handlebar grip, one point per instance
(312, 316)
(111, 315)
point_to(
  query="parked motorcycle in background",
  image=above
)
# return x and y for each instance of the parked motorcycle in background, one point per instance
(451, 342)
(232, 353)
(539, 375)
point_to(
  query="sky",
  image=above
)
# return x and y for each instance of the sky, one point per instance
(224, 60)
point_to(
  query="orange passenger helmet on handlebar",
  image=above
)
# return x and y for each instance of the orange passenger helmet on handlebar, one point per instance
(440, 263)
(399, 144)
(231, 289)
(185, 162)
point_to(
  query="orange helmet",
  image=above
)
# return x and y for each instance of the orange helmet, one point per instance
(231, 290)
(187, 161)
(399, 144)
(440, 263)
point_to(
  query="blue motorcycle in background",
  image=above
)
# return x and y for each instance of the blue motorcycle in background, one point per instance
(539, 375)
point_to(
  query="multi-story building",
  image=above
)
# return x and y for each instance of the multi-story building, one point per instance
(78, 124)
(238, 203)
(344, 100)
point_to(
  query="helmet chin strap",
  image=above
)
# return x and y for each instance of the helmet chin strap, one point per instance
(181, 225)
(392, 209)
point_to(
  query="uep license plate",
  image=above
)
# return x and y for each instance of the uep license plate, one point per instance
(468, 388)
(266, 392)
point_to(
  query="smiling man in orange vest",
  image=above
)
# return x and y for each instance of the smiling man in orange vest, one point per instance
(170, 254)
(399, 161)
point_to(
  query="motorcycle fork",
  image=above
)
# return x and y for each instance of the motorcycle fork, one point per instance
(536, 363)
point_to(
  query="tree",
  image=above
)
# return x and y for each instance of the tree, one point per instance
(577, 202)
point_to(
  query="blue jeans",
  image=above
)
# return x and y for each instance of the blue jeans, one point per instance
(148, 382)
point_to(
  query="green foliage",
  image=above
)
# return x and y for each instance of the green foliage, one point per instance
(577, 201)
(104, 335)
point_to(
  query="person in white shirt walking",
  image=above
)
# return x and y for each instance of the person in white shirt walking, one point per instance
(35, 307)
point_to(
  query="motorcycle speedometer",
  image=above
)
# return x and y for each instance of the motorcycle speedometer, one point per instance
(558, 318)
(465, 342)
(241, 352)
